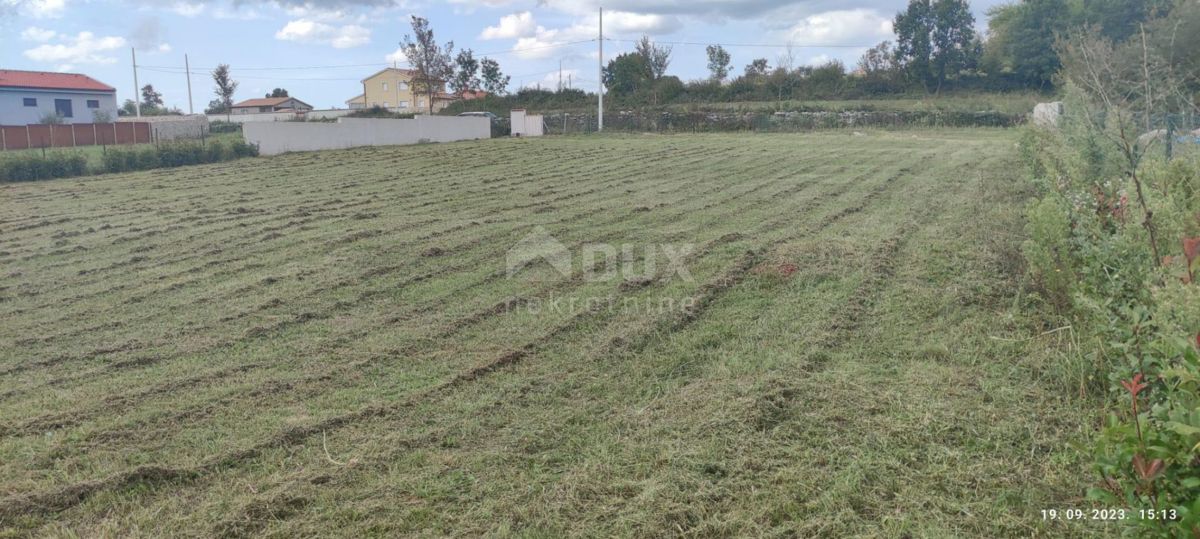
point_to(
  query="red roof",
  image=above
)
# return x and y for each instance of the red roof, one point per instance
(51, 81)
(266, 102)
(261, 102)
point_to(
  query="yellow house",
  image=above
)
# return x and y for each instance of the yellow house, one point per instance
(392, 89)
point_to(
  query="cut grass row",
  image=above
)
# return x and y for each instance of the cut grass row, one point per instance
(372, 370)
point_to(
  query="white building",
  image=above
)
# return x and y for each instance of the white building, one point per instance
(30, 97)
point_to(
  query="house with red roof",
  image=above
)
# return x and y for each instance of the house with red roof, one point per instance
(30, 97)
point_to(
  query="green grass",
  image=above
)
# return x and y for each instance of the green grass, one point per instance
(329, 344)
(95, 154)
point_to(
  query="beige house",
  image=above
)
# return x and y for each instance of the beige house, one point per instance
(392, 89)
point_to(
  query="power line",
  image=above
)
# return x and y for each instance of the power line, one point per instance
(377, 64)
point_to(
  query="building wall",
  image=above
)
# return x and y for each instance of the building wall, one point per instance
(14, 112)
(293, 104)
(279, 137)
(397, 95)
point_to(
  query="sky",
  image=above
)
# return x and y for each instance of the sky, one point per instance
(319, 50)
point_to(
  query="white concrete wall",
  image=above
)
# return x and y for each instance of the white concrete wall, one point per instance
(279, 116)
(167, 128)
(14, 112)
(523, 124)
(279, 137)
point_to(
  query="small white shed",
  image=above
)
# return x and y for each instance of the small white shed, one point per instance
(526, 125)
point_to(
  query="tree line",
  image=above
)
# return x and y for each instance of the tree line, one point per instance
(936, 49)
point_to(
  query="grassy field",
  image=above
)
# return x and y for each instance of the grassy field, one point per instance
(332, 344)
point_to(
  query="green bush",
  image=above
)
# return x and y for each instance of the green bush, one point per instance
(1090, 251)
(1048, 250)
(31, 168)
(224, 127)
(174, 154)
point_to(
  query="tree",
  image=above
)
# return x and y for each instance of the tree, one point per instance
(494, 82)
(216, 106)
(657, 57)
(935, 40)
(466, 78)
(150, 98)
(718, 62)
(914, 42)
(627, 74)
(1021, 40)
(878, 59)
(757, 68)
(431, 62)
(224, 87)
(278, 92)
(954, 44)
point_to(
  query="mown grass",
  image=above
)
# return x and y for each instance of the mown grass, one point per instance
(329, 344)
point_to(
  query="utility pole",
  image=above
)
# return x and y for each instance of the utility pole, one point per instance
(188, 68)
(560, 74)
(600, 84)
(137, 102)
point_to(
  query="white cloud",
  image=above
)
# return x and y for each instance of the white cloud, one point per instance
(45, 9)
(40, 35)
(187, 9)
(511, 26)
(310, 31)
(625, 22)
(544, 42)
(396, 57)
(848, 26)
(84, 48)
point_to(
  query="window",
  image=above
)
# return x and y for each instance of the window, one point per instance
(404, 104)
(93, 103)
(385, 104)
(403, 85)
(30, 101)
(62, 107)
(385, 86)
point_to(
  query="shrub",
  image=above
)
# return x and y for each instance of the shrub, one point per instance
(244, 149)
(174, 154)
(1089, 250)
(1048, 250)
(53, 165)
(224, 127)
(380, 112)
